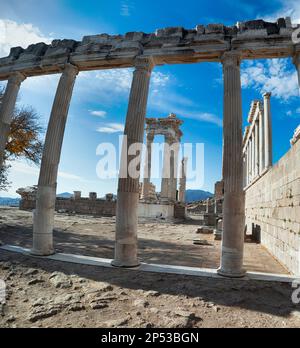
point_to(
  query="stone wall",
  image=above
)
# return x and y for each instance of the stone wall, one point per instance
(273, 209)
(88, 206)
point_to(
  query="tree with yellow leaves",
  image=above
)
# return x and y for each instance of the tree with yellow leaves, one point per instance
(23, 141)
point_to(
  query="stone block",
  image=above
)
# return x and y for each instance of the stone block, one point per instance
(214, 29)
(170, 32)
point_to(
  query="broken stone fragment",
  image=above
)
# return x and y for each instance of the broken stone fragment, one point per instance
(281, 23)
(34, 51)
(59, 47)
(60, 280)
(134, 36)
(15, 52)
(200, 29)
(171, 32)
(214, 29)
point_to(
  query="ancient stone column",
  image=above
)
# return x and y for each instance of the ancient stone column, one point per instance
(234, 202)
(173, 171)
(256, 132)
(182, 183)
(268, 130)
(147, 168)
(7, 108)
(45, 206)
(128, 188)
(166, 176)
(261, 143)
(253, 155)
(296, 61)
(249, 161)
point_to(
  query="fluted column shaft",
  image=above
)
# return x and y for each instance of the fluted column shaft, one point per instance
(128, 187)
(253, 154)
(234, 202)
(173, 171)
(249, 161)
(261, 143)
(147, 167)
(46, 195)
(182, 184)
(256, 132)
(268, 130)
(166, 176)
(7, 109)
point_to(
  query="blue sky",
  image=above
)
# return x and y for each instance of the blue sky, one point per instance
(193, 92)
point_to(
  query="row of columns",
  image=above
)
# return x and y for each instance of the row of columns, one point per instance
(128, 188)
(258, 146)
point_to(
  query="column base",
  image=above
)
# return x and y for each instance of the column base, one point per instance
(231, 274)
(35, 252)
(121, 264)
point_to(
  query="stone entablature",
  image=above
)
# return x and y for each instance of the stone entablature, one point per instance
(167, 126)
(253, 39)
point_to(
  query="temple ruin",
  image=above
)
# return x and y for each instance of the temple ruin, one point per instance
(228, 45)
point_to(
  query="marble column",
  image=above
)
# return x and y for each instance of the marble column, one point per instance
(7, 109)
(147, 167)
(182, 183)
(268, 130)
(247, 164)
(46, 194)
(234, 200)
(253, 154)
(296, 61)
(256, 132)
(249, 161)
(174, 171)
(166, 175)
(261, 143)
(244, 169)
(128, 187)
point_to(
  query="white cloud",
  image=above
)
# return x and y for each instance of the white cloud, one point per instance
(183, 107)
(289, 8)
(274, 75)
(98, 113)
(111, 128)
(13, 34)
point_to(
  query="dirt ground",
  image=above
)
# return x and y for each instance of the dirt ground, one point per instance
(44, 293)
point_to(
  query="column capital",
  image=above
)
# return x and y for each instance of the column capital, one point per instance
(267, 95)
(231, 58)
(71, 69)
(144, 63)
(16, 78)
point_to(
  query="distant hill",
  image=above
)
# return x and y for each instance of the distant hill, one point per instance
(8, 201)
(65, 195)
(197, 195)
